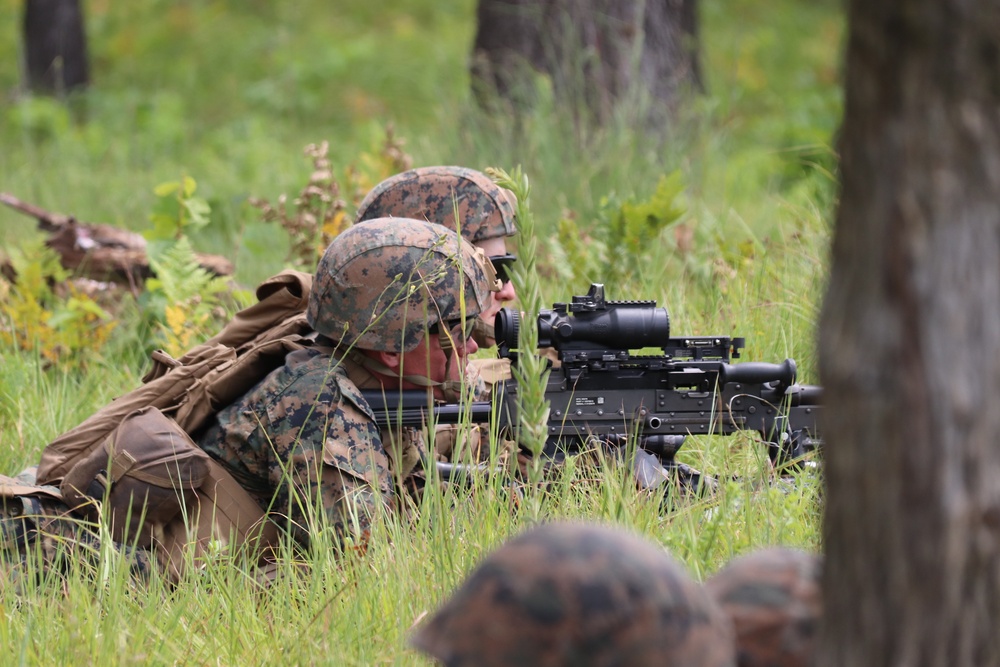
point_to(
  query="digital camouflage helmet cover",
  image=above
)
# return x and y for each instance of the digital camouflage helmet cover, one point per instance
(383, 284)
(578, 594)
(485, 210)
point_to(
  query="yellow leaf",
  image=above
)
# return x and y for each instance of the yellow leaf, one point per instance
(166, 189)
(176, 319)
(333, 227)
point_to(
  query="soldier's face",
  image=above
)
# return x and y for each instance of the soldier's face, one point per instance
(493, 248)
(429, 359)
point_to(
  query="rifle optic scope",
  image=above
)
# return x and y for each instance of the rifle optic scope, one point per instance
(590, 321)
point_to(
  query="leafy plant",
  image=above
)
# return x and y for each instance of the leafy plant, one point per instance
(184, 301)
(316, 216)
(319, 212)
(621, 238)
(177, 211)
(64, 326)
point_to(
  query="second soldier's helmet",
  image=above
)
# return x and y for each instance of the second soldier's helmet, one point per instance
(485, 210)
(773, 598)
(381, 285)
(578, 594)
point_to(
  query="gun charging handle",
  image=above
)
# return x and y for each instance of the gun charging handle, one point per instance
(759, 372)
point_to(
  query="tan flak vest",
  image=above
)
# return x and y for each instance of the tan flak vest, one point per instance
(139, 445)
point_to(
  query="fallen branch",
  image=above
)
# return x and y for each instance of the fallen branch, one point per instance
(100, 251)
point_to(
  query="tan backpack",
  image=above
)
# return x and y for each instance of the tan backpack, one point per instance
(206, 379)
(134, 460)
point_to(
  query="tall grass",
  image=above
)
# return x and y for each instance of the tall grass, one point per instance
(229, 93)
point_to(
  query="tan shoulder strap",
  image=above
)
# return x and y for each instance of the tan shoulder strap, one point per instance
(222, 515)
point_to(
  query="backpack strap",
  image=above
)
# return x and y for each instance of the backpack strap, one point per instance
(223, 515)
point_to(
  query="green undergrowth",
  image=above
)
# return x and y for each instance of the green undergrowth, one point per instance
(724, 218)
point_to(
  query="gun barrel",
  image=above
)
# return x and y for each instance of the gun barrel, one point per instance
(409, 408)
(806, 394)
(758, 372)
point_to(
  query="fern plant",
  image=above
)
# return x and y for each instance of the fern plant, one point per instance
(43, 311)
(185, 301)
(621, 237)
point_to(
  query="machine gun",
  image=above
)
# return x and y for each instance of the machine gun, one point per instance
(600, 390)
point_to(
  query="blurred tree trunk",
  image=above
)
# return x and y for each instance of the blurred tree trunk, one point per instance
(598, 53)
(910, 342)
(55, 46)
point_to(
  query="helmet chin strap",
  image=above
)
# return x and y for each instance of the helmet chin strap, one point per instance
(484, 332)
(450, 389)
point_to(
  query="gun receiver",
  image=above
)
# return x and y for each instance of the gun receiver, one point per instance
(600, 388)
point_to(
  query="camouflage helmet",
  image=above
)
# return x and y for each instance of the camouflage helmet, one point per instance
(380, 285)
(578, 594)
(773, 598)
(485, 210)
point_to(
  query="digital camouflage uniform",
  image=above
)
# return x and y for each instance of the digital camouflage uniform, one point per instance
(578, 594)
(304, 428)
(304, 441)
(37, 526)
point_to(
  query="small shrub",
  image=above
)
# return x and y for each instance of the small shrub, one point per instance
(63, 325)
(184, 303)
(622, 237)
(319, 212)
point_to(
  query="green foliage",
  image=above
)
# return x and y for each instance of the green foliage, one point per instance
(185, 302)
(41, 118)
(636, 225)
(64, 326)
(618, 244)
(228, 92)
(177, 211)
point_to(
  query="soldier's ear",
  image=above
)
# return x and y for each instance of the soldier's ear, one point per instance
(390, 360)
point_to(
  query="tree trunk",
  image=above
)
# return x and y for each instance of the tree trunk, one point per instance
(599, 54)
(55, 46)
(910, 342)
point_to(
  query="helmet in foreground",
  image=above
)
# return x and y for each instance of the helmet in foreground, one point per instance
(485, 210)
(381, 285)
(583, 595)
(773, 599)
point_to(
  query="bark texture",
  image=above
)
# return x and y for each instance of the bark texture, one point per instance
(55, 46)
(598, 53)
(910, 342)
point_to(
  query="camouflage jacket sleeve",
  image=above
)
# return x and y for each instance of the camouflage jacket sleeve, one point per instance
(303, 445)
